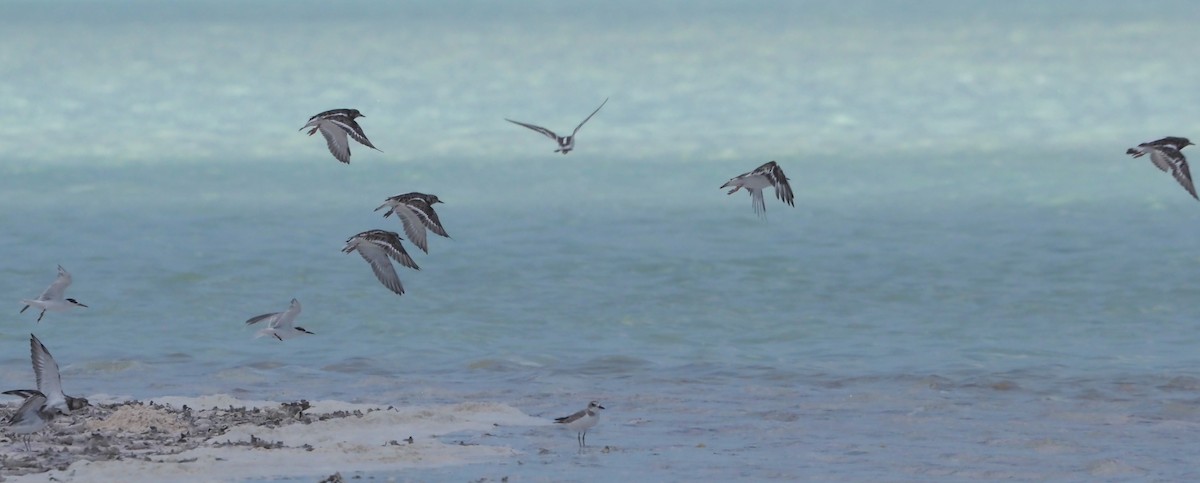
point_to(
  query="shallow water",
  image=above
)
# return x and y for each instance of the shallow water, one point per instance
(974, 283)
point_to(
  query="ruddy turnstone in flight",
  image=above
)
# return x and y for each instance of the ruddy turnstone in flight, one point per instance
(769, 174)
(49, 382)
(1167, 155)
(415, 211)
(377, 247)
(52, 299)
(582, 421)
(565, 143)
(336, 125)
(279, 324)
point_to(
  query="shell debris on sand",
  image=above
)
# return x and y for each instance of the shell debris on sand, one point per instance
(135, 430)
(199, 439)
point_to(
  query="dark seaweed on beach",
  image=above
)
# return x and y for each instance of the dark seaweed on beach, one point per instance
(93, 434)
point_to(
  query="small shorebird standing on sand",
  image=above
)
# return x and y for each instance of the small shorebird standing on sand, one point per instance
(582, 421)
(1167, 155)
(336, 125)
(31, 417)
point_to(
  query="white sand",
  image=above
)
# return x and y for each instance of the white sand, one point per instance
(374, 441)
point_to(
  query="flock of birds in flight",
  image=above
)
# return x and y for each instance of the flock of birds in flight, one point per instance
(379, 248)
(415, 210)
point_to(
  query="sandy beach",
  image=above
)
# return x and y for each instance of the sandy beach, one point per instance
(222, 438)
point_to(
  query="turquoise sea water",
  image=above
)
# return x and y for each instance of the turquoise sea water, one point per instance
(975, 282)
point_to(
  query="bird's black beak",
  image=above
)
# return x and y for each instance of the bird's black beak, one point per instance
(601, 407)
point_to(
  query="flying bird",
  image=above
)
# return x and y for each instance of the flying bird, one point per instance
(415, 211)
(379, 248)
(565, 143)
(1167, 155)
(52, 299)
(279, 324)
(336, 125)
(582, 421)
(49, 381)
(769, 174)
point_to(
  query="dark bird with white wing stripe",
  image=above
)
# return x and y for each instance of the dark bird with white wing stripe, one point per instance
(336, 125)
(379, 248)
(769, 174)
(49, 381)
(415, 211)
(1167, 155)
